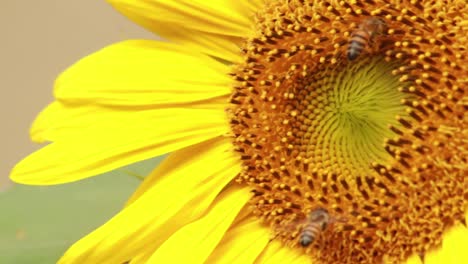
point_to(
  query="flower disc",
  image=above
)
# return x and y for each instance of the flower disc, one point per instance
(378, 141)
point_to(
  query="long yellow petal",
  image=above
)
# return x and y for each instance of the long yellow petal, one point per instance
(126, 139)
(143, 73)
(253, 5)
(186, 156)
(414, 259)
(454, 248)
(60, 121)
(214, 16)
(196, 23)
(185, 188)
(243, 243)
(201, 237)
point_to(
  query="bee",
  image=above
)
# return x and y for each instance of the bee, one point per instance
(317, 222)
(364, 35)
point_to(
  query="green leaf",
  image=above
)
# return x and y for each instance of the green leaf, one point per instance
(38, 223)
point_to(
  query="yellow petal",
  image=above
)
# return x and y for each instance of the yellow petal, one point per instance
(454, 248)
(215, 16)
(201, 237)
(143, 73)
(60, 121)
(434, 257)
(125, 139)
(253, 5)
(185, 188)
(243, 242)
(414, 259)
(222, 148)
(214, 27)
(276, 253)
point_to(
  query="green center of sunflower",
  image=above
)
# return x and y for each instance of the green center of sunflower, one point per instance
(345, 116)
(354, 160)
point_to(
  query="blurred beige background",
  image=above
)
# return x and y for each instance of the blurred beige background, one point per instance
(39, 39)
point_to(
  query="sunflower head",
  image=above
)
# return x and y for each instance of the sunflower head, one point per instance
(356, 107)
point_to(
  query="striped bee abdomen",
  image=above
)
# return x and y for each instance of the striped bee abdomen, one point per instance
(317, 222)
(364, 35)
(309, 233)
(359, 40)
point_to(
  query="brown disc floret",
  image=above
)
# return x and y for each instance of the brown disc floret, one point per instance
(380, 142)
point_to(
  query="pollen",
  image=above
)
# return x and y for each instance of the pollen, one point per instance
(377, 139)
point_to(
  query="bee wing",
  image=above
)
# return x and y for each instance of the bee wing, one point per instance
(290, 229)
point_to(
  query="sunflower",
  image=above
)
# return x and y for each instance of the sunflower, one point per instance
(273, 111)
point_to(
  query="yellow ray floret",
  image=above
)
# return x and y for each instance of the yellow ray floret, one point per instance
(183, 190)
(94, 129)
(202, 236)
(212, 27)
(143, 73)
(242, 243)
